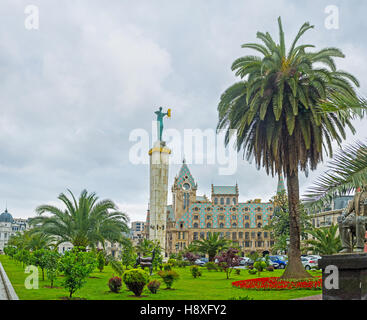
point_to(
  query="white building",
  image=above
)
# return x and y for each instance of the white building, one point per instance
(8, 227)
(137, 231)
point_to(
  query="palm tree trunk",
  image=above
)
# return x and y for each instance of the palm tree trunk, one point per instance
(294, 269)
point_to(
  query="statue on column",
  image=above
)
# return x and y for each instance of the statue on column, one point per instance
(352, 222)
(160, 116)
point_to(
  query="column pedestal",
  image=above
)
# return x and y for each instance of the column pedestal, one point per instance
(352, 269)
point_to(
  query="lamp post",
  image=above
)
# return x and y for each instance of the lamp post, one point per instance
(287, 242)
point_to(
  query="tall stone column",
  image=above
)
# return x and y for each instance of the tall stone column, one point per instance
(159, 163)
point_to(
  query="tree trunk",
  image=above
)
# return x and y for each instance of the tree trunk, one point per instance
(295, 268)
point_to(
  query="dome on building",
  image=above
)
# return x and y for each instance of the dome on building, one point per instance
(6, 216)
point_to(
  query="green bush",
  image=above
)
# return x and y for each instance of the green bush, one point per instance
(167, 266)
(211, 266)
(101, 261)
(195, 271)
(182, 263)
(153, 286)
(168, 277)
(252, 271)
(260, 266)
(135, 280)
(115, 284)
(172, 262)
(238, 271)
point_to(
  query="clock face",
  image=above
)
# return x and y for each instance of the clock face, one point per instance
(186, 186)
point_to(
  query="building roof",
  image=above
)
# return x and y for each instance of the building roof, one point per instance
(224, 189)
(6, 216)
(185, 175)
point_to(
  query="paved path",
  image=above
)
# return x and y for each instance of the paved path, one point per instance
(317, 297)
(3, 294)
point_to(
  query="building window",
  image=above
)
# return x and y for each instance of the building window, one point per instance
(246, 209)
(258, 209)
(252, 235)
(208, 217)
(208, 225)
(234, 235)
(196, 225)
(259, 225)
(265, 234)
(196, 217)
(221, 200)
(221, 217)
(234, 217)
(221, 225)
(202, 235)
(234, 225)
(228, 201)
(247, 225)
(247, 235)
(228, 235)
(259, 234)
(247, 244)
(234, 200)
(207, 235)
(259, 217)
(247, 217)
(221, 235)
(195, 236)
(240, 235)
(215, 200)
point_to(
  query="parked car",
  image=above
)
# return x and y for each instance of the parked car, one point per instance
(309, 262)
(314, 256)
(245, 261)
(201, 261)
(280, 260)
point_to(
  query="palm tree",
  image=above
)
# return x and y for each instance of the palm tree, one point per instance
(347, 171)
(276, 109)
(85, 222)
(145, 247)
(31, 240)
(211, 246)
(325, 240)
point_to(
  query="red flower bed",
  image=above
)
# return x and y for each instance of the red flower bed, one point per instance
(274, 283)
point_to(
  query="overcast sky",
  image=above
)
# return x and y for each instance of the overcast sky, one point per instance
(72, 91)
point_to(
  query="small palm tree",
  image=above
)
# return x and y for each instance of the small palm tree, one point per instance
(325, 240)
(85, 222)
(211, 246)
(277, 112)
(145, 247)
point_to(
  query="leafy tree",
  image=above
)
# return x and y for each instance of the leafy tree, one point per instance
(168, 277)
(39, 260)
(277, 110)
(101, 261)
(52, 258)
(279, 225)
(10, 251)
(228, 260)
(211, 246)
(85, 222)
(128, 256)
(76, 266)
(326, 240)
(191, 257)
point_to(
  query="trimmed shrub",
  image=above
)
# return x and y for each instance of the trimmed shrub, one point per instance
(195, 271)
(153, 286)
(135, 280)
(168, 277)
(238, 271)
(172, 262)
(182, 263)
(252, 271)
(167, 266)
(211, 266)
(270, 268)
(115, 284)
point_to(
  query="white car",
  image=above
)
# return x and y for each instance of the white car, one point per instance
(309, 262)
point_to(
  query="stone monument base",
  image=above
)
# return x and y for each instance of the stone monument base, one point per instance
(352, 276)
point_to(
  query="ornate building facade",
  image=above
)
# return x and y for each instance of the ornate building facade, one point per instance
(193, 217)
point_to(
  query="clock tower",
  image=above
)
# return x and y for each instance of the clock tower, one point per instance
(183, 191)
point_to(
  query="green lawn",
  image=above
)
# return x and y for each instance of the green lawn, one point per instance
(211, 286)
